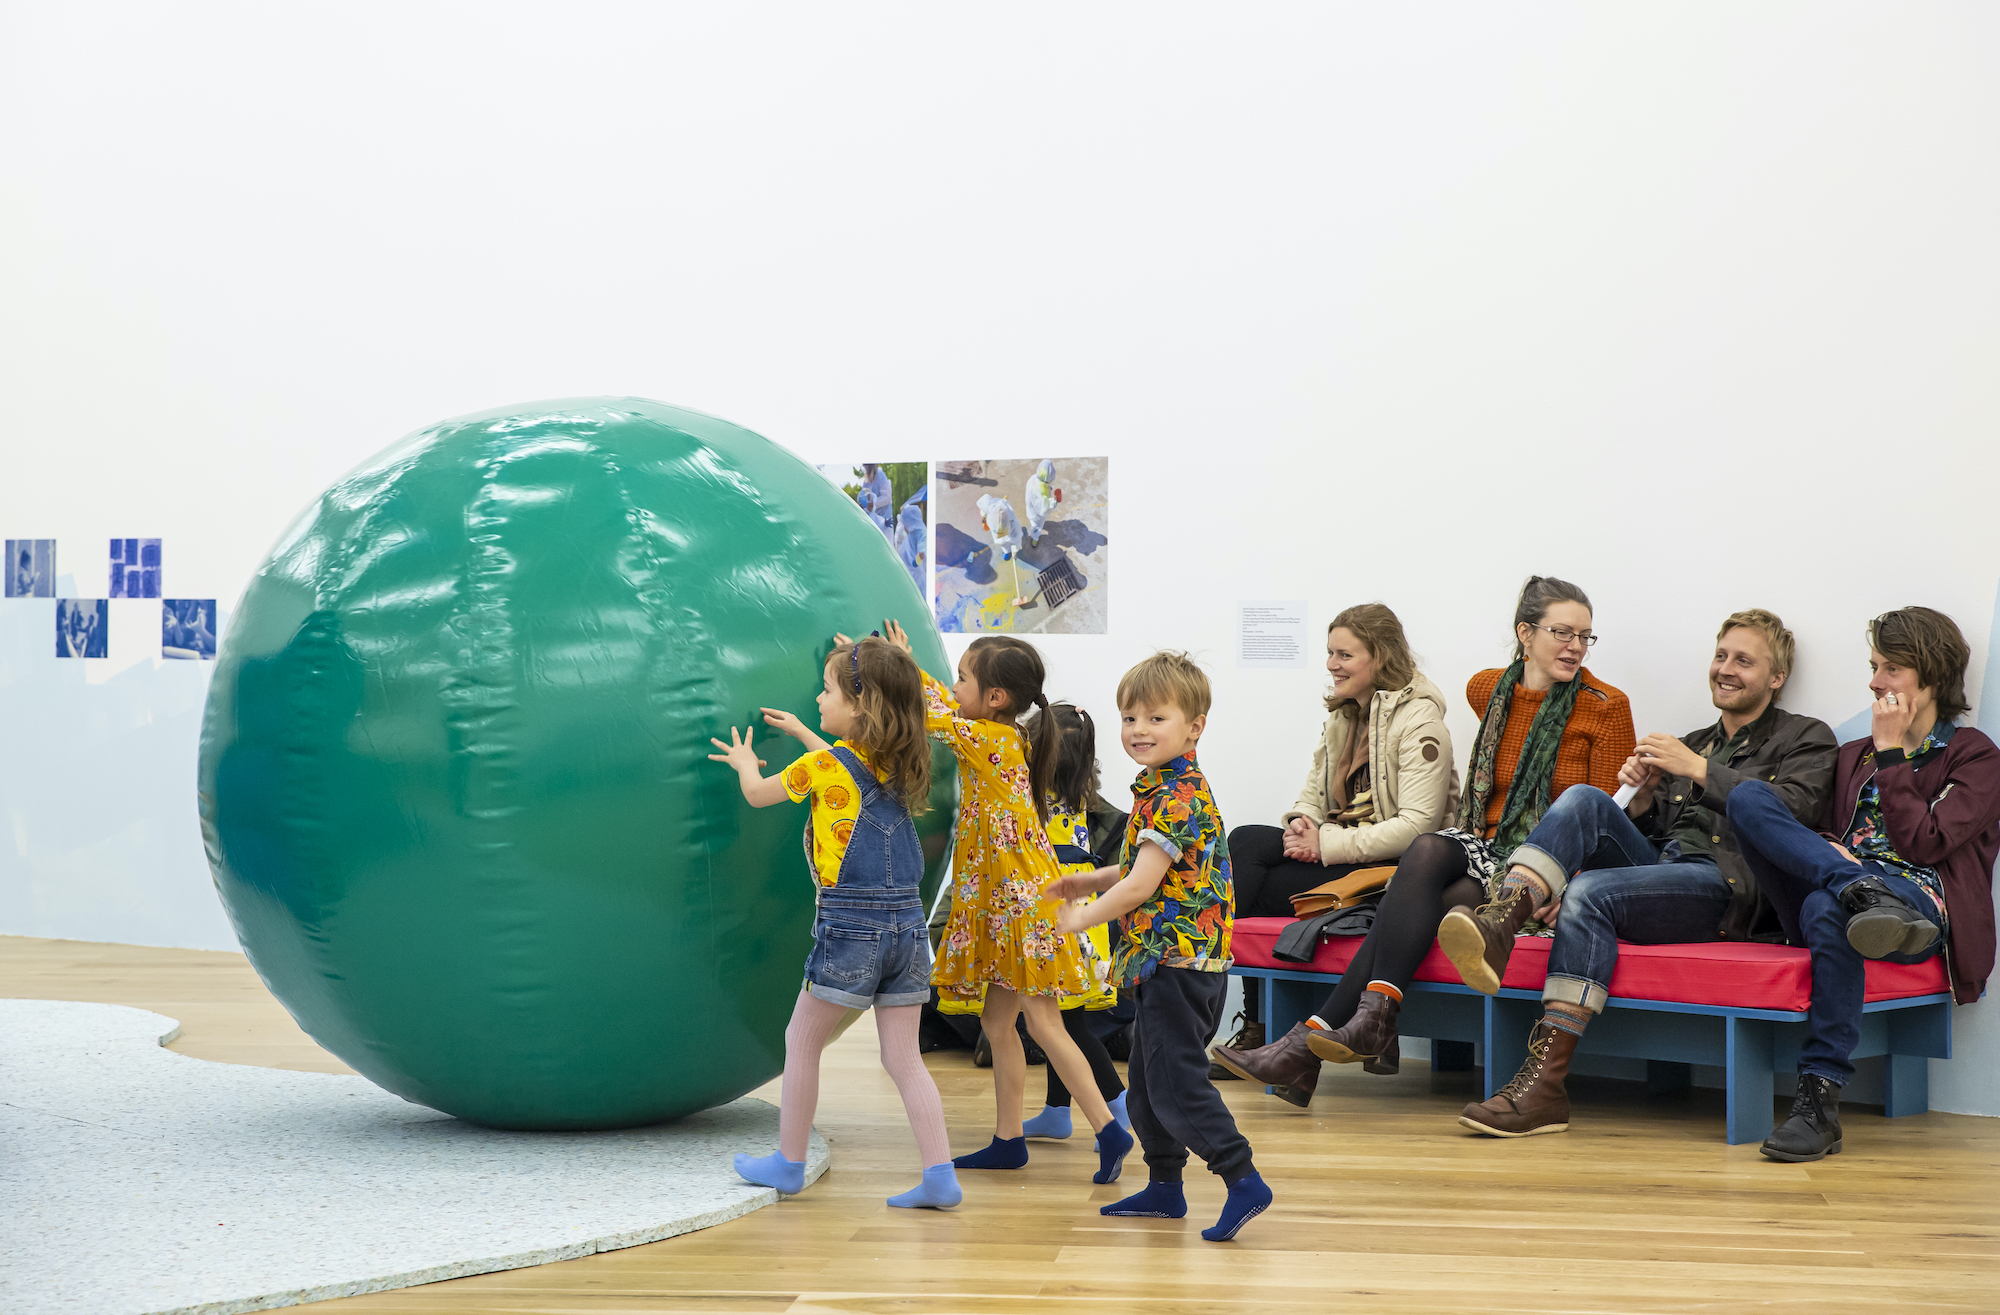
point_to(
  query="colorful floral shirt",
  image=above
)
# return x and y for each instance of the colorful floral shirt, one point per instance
(836, 807)
(1186, 923)
(1869, 836)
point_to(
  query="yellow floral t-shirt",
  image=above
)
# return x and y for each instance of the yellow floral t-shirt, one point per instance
(836, 807)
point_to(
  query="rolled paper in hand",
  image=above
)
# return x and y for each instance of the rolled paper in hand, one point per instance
(1624, 796)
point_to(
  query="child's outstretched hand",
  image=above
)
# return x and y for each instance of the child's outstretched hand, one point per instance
(1073, 919)
(891, 631)
(784, 722)
(737, 753)
(1072, 887)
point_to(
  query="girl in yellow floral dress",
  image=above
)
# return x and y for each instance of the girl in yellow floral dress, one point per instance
(1002, 935)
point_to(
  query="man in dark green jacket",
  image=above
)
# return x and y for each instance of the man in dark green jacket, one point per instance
(1666, 868)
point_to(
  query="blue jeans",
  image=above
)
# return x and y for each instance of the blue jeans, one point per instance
(1802, 875)
(870, 943)
(1625, 887)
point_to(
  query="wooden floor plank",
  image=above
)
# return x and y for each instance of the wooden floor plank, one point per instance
(1383, 1203)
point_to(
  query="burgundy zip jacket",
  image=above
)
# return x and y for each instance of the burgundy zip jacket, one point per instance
(1943, 812)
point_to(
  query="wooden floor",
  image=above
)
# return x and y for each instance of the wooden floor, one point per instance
(1382, 1203)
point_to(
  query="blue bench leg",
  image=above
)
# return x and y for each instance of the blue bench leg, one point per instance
(1508, 1023)
(1909, 1086)
(1747, 1045)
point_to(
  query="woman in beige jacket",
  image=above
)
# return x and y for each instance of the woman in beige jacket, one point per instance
(1381, 777)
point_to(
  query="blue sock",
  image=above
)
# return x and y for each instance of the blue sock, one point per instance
(1158, 1201)
(1248, 1198)
(1118, 1112)
(938, 1191)
(1112, 1145)
(1009, 1154)
(1052, 1122)
(774, 1170)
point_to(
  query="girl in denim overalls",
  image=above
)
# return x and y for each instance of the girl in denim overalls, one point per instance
(870, 945)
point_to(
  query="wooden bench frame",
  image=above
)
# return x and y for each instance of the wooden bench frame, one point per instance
(1749, 1045)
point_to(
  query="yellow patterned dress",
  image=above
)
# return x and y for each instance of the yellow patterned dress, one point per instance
(1001, 930)
(1065, 828)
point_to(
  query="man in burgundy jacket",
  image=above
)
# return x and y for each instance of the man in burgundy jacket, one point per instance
(1902, 867)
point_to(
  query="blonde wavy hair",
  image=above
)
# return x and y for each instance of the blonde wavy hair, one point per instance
(888, 715)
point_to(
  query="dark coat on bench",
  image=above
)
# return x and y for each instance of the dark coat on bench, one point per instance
(1943, 812)
(1795, 755)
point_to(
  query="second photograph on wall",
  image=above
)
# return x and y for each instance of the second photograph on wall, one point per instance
(1022, 545)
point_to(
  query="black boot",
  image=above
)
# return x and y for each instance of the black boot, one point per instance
(1882, 923)
(1813, 1130)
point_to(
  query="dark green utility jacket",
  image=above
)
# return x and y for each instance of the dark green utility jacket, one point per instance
(1795, 756)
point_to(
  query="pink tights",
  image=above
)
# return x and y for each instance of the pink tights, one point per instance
(812, 1026)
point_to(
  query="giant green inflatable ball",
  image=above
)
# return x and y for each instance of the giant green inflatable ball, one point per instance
(454, 774)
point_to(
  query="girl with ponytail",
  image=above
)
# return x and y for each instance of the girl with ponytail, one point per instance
(1002, 936)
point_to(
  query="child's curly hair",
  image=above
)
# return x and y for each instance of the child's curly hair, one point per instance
(888, 715)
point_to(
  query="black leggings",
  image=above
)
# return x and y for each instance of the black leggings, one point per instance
(1265, 880)
(1430, 880)
(1078, 1023)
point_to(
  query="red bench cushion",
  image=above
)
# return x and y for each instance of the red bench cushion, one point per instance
(1725, 973)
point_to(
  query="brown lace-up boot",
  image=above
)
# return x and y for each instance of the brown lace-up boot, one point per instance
(1370, 1034)
(1480, 941)
(1286, 1065)
(1536, 1100)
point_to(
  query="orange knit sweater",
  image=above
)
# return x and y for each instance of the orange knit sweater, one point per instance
(1595, 743)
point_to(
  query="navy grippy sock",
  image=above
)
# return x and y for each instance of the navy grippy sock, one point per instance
(1009, 1154)
(1113, 1144)
(1248, 1198)
(1158, 1201)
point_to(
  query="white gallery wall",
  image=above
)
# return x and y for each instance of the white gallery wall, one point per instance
(1696, 305)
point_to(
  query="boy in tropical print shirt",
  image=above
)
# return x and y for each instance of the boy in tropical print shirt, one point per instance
(1171, 895)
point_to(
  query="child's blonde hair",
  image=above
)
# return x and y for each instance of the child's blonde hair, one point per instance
(886, 690)
(1167, 677)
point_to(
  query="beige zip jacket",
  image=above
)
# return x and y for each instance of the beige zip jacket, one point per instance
(1410, 769)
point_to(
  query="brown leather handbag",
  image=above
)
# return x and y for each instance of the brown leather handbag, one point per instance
(1342, 894)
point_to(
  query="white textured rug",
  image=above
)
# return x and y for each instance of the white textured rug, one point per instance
(133, 1179)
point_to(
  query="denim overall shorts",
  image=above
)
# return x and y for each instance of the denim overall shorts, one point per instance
(870, 943)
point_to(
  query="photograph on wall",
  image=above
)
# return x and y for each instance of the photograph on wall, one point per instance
(187, 629)
(896, 496)
(31, 568)
(83, 628)
(1021, 546)
(135, 568)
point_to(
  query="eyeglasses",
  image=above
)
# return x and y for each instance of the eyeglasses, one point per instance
(1564, 635)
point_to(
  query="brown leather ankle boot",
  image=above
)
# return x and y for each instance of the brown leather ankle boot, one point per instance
(1387, 1064)
(1480, 941)
(1286, 1064)
(1536, 1100)
(1367, 1035)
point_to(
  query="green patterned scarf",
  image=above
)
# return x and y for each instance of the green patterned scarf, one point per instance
(1528, 795)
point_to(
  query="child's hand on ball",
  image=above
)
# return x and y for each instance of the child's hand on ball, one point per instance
(784, 722)
(737, 753)
(896, 635)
